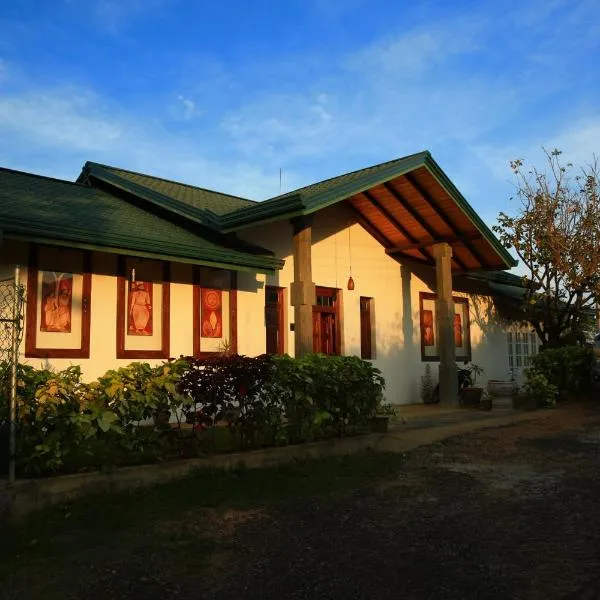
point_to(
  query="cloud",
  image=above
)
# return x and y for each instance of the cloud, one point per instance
(472, 87)
(113, 15)
(68, 118)
(418, 51)
(54, 131)
(189, 107)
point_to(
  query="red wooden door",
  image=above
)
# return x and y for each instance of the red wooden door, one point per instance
(326, 322)
(274, 326)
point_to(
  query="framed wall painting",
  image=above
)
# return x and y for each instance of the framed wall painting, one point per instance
(143, 308)
(59, 290)
(215, 311)
(430, 335)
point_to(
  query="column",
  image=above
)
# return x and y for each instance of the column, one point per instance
(448, 376)
(303, 289)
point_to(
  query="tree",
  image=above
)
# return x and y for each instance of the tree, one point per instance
(556, 235)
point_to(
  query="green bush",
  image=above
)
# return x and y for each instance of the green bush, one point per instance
(322, 393)
(567, 368)
(65, 425)
(539, 390)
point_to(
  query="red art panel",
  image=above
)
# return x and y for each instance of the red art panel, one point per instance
(212, 314)
(427, 328)
(57, 302)
(458, 331)
(139, 315)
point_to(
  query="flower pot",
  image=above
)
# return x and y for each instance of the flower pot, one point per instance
(499, 388)
(471, 396)
(379, 423)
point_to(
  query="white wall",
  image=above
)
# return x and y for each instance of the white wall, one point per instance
(103, 315)
(395, 289)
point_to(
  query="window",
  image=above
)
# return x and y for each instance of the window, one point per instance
(366, 333)
(430, 334)
(522, 345)
(326, 300)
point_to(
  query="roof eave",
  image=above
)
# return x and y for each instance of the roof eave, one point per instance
(205, 219)
(295, 205)
(437, 172)
(39, 234)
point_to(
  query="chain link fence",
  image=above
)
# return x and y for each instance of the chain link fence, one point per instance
(12, 299)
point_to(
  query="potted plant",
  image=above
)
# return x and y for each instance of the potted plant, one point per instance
(471, 394)
(501, 388)
(379, 422)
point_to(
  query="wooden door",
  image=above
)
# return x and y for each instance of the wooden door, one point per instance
(326, 333)
(274, 325)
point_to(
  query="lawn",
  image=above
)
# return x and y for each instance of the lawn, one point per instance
(55, 553)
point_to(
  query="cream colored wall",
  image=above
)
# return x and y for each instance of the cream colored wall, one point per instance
(395, 289)
(103, 315)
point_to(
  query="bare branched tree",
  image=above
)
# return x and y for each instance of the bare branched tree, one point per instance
(556, 235)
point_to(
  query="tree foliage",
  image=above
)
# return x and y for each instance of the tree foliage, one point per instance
(556, 235)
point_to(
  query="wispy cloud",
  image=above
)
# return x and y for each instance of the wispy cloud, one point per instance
(69, 118)
(418, 51)
(475, 87)
(113, 15)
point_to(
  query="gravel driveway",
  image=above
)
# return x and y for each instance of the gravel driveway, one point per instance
(509, 512)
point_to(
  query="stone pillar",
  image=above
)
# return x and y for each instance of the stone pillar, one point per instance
(303, 295)
(448, 376)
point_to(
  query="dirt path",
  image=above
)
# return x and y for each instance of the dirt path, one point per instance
(510, 512)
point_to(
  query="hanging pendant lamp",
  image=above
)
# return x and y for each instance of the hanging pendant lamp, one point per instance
(350, 280)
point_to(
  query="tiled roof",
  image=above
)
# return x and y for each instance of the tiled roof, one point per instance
(43, 208)
(201, 198)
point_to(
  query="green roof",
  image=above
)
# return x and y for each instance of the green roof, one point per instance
(312, 198)
(58, 212)
(199, 198)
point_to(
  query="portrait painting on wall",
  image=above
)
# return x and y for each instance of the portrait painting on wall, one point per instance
(427, 328)
(429, 334)
(212, 314)
(57, 302)
(139, 315)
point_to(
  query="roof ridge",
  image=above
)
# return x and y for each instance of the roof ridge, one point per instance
(188, 185)
(38, 176)
(387, 162)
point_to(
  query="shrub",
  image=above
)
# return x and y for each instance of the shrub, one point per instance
(52, 417)
(539, 390)
(227, 388)
(567, 368)
(66, 425)
(326, 392)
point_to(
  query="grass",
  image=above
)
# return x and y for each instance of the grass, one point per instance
(164, 520)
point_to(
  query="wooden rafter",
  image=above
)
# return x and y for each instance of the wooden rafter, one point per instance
(414, 213)
(420, 189)
(394, 221)
(368, 226)
(457, 239)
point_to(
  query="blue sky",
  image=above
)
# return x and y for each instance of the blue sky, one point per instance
(224, 94)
